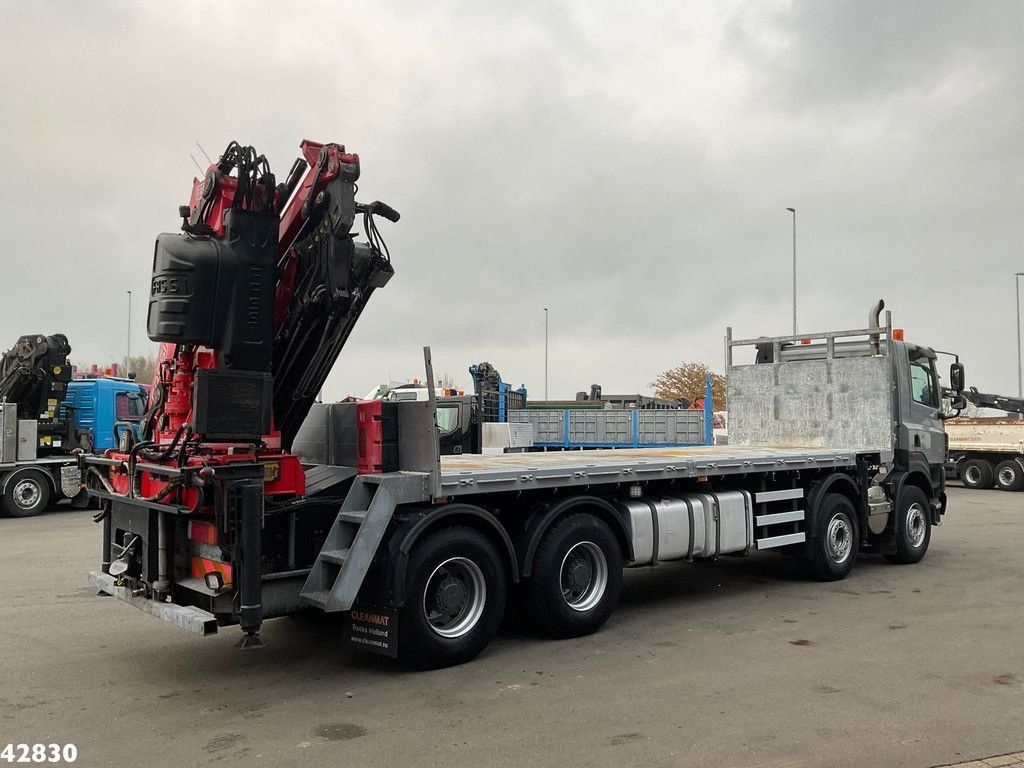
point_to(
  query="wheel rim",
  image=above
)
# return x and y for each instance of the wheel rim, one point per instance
(583, 577)
(917, 525)
(839, 539)
(1007, 476)
(26, 494)
(454, 598)
(972, 475)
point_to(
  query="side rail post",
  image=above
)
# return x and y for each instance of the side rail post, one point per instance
(435, 472)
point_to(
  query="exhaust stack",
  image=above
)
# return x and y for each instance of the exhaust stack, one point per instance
(874, 317)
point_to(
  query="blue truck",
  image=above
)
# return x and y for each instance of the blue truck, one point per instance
(45, 415)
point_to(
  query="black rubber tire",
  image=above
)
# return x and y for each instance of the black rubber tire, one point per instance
(833, 551)
(913, 526)
(549, 607)
(26, 494)
(420, 646)
(1010, 475)
(977, 474)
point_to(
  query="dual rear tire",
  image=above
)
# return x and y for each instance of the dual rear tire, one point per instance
(976, 474)
(455, 598)
(982, 474)
(577, 577)
(457, 589)
(1009, 475)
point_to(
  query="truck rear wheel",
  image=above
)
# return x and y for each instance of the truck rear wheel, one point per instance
(1010, 475)
(837, 539)
(913, 526)
(455, 600)
(27, 493)
(577, 577)
(977, 474)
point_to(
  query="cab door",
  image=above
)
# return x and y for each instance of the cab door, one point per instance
(922, 433)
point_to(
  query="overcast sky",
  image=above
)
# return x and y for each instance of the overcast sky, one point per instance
(626, 165)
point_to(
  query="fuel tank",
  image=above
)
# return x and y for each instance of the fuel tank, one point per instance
(689, 525)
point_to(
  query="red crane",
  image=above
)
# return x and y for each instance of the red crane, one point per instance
(252, 303)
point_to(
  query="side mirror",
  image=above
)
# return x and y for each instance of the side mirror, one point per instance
(956, 377)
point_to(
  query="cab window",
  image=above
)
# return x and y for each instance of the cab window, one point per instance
(447, 418)
(922, 383)
(128, 406)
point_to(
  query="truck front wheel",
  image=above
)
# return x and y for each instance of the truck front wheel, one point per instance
(1010, 475)
(455, 600)
(836, 541)
(26, 494)
(577, 577)
(913, 526)
(977, 474)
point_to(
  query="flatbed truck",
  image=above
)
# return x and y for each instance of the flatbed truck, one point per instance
(836, 447)
(987, 452)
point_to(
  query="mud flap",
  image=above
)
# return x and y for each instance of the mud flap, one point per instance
(372, 629)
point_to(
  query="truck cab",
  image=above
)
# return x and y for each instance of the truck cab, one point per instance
(921, 436)
(105, 407)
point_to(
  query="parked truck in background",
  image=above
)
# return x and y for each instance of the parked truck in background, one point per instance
(45, 415)
(988, 452)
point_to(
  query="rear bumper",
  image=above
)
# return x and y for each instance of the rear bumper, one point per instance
(183, 616)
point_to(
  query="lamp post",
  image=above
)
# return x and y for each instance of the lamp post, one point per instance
(1020, 380)
(793, 211)
(128, 358)
(545, 353)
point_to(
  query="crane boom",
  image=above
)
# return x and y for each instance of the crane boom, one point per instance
(999, 402)
(266, 281)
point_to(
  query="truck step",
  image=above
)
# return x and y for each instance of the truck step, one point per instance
(336, 556)
(356, 516)
(791, 516)
(782, 541)
(317, 599)
(349, 548)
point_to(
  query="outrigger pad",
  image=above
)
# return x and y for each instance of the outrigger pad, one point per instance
(251, 642)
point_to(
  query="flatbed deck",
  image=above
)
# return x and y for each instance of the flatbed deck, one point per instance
(462, 475)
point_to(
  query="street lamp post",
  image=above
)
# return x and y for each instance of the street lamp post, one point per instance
(128, 358)
(1020, 379)
(545, 353)
(793, 211)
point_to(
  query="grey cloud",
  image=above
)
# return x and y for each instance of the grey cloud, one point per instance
(629, 171)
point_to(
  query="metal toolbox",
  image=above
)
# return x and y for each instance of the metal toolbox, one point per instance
(9, 428)
(28, 439)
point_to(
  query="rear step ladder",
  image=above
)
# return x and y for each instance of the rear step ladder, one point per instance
(348, 550)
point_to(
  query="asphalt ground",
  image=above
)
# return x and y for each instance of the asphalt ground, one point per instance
(739, 663)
